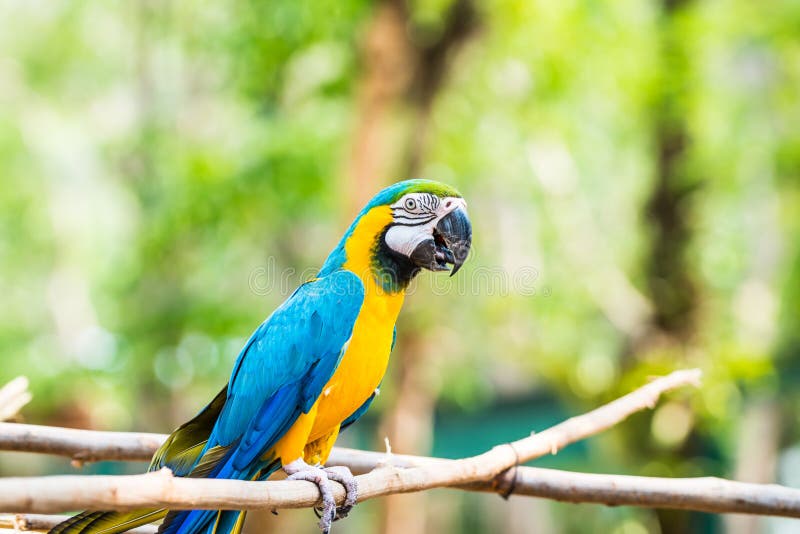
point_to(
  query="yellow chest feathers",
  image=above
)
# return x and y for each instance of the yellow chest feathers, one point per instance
(367, 355)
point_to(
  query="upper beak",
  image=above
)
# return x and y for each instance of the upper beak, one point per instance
(452, 238)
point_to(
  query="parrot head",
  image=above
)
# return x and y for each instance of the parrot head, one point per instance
(429, 227)
(407, 227)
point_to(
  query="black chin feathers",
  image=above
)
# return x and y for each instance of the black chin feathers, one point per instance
(393, 271)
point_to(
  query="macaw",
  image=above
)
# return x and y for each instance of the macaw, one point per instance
(312, 367)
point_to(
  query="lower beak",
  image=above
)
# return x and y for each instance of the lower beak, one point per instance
(449, 245)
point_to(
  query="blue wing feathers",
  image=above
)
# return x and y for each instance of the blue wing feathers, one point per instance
(306, 333)
(278, 375)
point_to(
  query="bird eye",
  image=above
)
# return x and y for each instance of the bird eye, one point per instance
(411, 204)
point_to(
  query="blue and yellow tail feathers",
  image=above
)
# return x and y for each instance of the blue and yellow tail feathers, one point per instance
(180, 453)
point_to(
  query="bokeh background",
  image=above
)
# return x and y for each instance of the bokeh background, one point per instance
(170, 169)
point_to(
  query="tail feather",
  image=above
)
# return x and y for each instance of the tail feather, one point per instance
(229, 522)
(188, 453)
(75, 523)
(193, 521)
(180, 452)
(214, 521)
(204, 521)
(107, 522)
(239, 523)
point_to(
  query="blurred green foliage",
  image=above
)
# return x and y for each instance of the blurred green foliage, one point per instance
(164, 163)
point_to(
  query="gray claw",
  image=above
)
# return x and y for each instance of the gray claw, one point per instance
(343, 476)
(318, 476)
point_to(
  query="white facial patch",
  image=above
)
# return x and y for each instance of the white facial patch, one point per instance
(415, 216)
(404, 239)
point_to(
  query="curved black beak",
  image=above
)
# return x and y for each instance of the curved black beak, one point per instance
(449, 245)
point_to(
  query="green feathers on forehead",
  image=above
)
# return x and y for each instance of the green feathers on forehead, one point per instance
(393, 193)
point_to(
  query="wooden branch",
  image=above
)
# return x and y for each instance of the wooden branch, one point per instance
(700, 494)
(705, 494)
(387, 473)
(582, 426)
(13, 396)
(161, 489)
(92, 445)
(80, 445)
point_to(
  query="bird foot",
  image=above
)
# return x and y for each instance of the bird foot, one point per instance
(343, 476)
(321, 476)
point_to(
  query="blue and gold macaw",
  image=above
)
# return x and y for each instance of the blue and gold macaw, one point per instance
(313, 367)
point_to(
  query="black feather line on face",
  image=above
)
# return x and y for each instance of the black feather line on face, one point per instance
(400, 212)
(399, 220)
(431, 202)
(393, 271)
(424, 212)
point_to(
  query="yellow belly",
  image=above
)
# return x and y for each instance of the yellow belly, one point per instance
(363, 363)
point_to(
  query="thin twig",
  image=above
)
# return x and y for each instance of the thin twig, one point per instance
(13, 396)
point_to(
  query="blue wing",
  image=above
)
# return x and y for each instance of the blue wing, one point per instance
(292, 354)
(279, 374)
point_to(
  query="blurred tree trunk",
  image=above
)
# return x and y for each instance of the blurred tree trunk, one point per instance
(671, 286)
(400, 72)
(155, 410)
(387, 59)
(780, 407)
